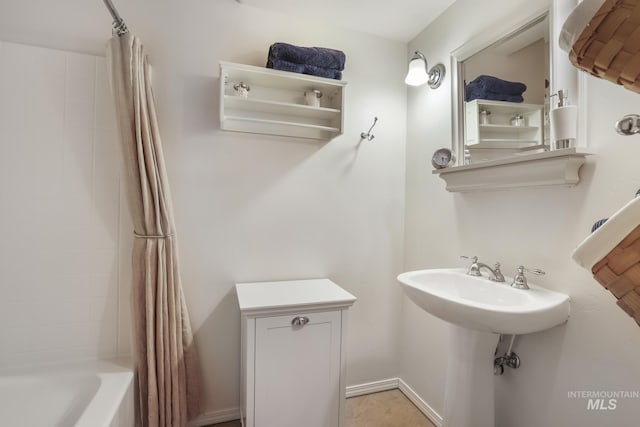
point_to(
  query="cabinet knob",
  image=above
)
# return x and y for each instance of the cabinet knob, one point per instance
(300, 321)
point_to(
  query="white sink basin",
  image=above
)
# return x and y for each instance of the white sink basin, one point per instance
(478, 310)
(480, 304)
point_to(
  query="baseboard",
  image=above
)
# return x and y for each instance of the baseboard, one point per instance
(216, 417)
(231, 414)
(427, 410)
(372, 387)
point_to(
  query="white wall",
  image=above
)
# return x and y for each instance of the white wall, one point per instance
(62, 281)
(252, 207)
(598, 348)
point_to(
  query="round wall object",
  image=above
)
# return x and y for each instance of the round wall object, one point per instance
(442, 158)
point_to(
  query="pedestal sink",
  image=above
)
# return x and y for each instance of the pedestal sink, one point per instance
(479, 310)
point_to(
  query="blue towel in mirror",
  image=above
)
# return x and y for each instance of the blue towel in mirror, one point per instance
(496, 85)
(322, 57)
(494, 89)
(472, 92)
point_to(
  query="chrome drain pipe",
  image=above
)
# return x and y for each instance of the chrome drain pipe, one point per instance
(509, 358)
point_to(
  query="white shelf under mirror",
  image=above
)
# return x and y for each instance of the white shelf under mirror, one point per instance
(549, 168)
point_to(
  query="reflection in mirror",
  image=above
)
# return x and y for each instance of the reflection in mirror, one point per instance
(505, 87)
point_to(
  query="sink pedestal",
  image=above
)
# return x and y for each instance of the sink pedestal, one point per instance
(469, 391)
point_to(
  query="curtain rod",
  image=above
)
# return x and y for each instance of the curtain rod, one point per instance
(119, 26)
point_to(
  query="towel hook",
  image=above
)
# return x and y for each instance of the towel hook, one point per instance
(369, 136)
(628, 125)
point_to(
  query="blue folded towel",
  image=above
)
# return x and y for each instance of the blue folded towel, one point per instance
(322, 57)
(278, 64)
(473, 91)
(496, 85)
(598, 224)
(494, 89)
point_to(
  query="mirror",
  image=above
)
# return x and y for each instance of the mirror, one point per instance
(502, 85)
(506, 95)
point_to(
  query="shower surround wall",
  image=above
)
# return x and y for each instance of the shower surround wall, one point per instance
(63, 281)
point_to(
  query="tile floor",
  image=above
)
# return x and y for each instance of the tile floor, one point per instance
(385, 409)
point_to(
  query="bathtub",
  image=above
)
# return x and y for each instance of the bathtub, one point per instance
(82, 394)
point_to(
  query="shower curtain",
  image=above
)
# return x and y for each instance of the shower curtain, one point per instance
(167, 370)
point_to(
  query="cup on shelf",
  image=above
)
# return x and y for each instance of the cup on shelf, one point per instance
(517, 120)
(312, 97)
(242, 89)
(484, 117)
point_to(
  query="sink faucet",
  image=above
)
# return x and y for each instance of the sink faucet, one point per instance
(495, 274)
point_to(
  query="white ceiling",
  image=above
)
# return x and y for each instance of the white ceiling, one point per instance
(398, 20)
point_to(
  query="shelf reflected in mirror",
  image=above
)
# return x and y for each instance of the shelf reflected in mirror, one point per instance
(504, 91)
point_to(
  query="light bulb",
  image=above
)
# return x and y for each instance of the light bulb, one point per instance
(417, 74)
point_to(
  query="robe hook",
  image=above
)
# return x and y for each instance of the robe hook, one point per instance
(369, 136)
(628, 125)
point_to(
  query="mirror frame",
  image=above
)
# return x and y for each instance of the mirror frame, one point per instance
(563, 74)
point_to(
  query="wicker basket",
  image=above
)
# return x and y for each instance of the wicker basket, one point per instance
(619, 272)
(609, 46)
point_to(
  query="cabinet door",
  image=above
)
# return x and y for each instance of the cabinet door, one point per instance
(297, 371)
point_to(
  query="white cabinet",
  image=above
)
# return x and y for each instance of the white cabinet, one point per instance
(297, 371)
(499, 133)
(293, 359)
(274, 103)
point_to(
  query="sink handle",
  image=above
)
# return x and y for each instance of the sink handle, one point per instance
(535, 271)
(473, 268)
(520, 281)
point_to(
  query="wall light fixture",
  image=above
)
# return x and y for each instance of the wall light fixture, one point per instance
(417, 74)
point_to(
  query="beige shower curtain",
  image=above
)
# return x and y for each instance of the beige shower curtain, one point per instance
(167, 369)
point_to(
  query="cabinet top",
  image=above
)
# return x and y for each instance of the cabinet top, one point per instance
(291, 294)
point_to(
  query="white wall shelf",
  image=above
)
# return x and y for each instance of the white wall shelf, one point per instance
(508, 128)
(549, 168)
(499, 134)
(275, 103)
(503, 144)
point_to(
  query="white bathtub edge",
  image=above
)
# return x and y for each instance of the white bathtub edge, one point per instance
(109, 398)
